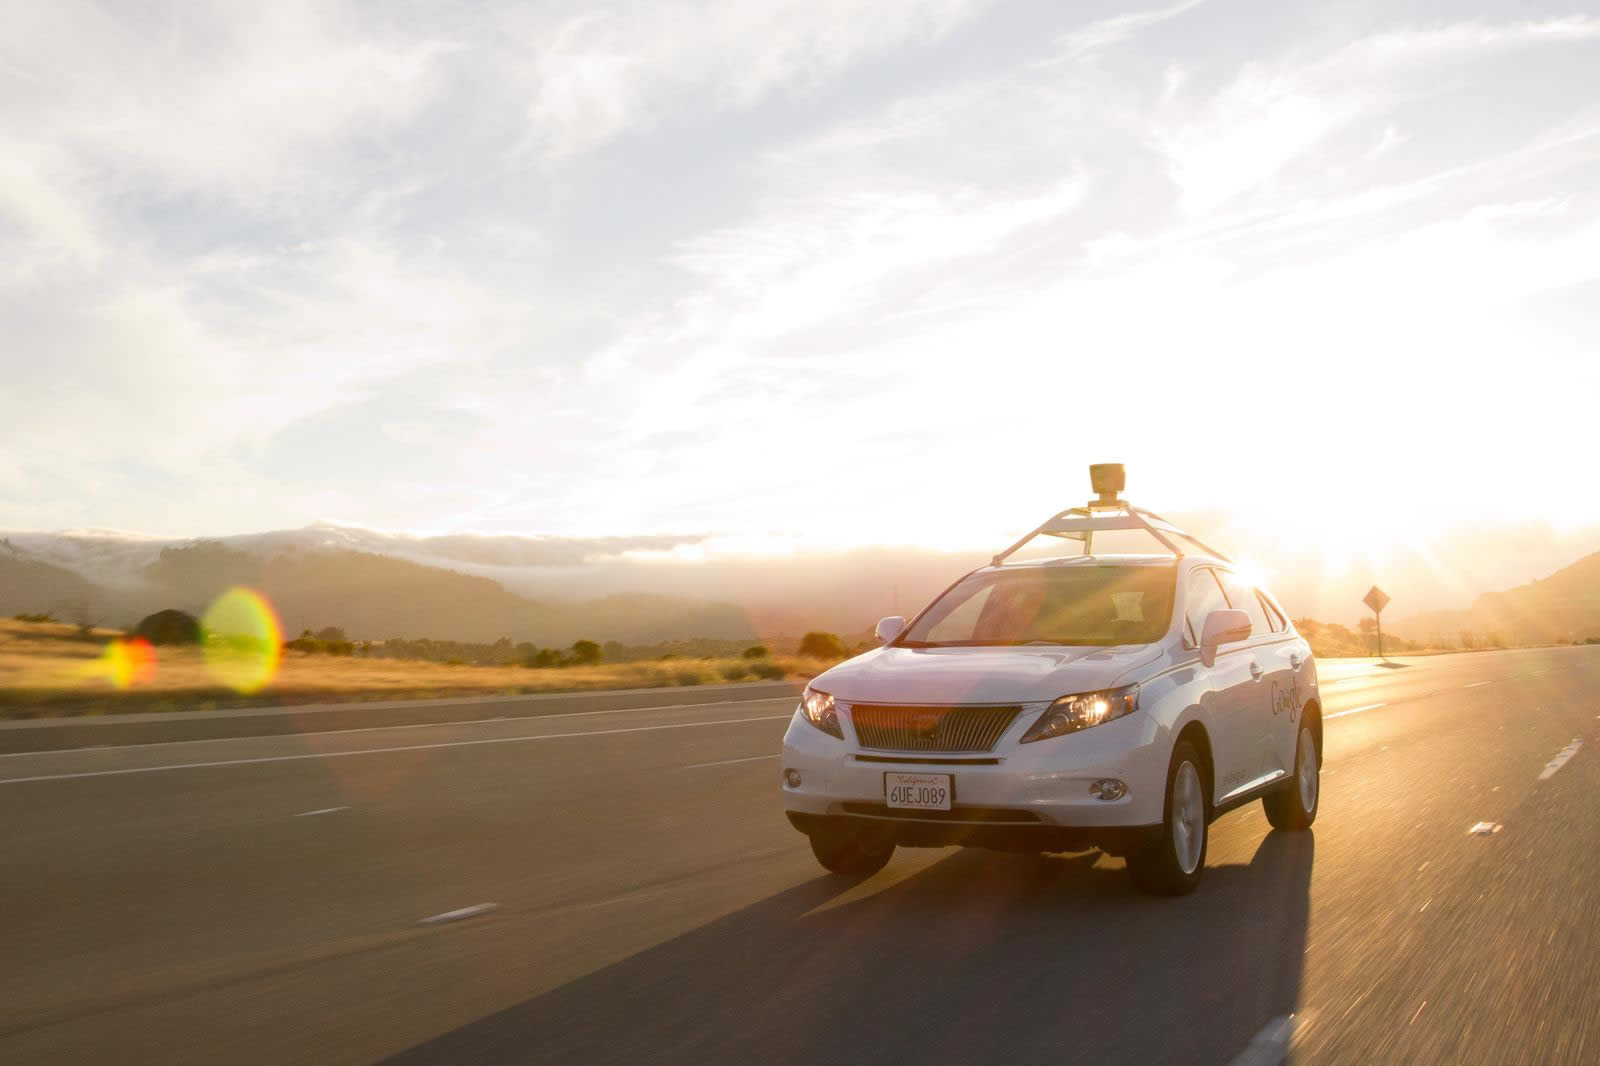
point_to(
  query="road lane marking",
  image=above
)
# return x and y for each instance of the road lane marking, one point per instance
(381, 751)
(1417, 1015)
(1484, 829)
(728, 762)
(1271, 1045)
(410, 725)
(321, 810)
(1475, 684)
(1560, 760)
(1355, 710)
(458, 914)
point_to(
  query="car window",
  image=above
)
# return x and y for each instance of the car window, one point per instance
(1274, 616)
(1243, 597)
(1067, 605)
(1204, 596)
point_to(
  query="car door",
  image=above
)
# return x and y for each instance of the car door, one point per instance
(1287, 658)
(1269, 650)
(1235, 745)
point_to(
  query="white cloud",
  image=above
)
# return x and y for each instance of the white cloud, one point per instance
(602, 71)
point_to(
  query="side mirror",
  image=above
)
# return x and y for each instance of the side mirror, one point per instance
(1222, 627)
(889, 628)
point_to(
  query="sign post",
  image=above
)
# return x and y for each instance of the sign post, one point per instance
(1377, 599)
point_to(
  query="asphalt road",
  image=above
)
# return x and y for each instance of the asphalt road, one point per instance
(267, 900)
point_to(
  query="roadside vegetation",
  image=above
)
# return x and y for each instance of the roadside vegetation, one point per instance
(49, 667)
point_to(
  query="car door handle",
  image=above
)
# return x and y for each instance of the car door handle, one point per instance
(1294, 661)
(1255, 670)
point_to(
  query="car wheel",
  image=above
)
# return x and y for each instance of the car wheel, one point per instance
(1294, 807)
(1174, 861)
(851, 854)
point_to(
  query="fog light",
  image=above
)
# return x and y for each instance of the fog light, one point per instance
(792, 778)
(1109, 789)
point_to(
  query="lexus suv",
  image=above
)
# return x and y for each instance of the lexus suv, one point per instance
(1113, 701)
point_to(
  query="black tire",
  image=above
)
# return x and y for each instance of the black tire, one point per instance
(1286, 807)
(851, 854)
(1158, 868)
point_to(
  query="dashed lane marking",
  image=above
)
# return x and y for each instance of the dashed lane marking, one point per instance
(1354, 710)
(728, 762)
(1560, 760)
(321, 810)
(1271, 1045)
(380, 751)
(1475, 684)
(458, 914)
(1484, 829)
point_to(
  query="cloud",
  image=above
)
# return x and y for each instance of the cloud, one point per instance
(1098, 36)
(602, 72)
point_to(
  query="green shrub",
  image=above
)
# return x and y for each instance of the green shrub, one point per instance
(585, 652)
(35, 617)
(756, 651)
(767, 670)
(169, 627)
(821, 646)
(734, 671)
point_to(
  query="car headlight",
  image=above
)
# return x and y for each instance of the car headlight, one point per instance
(817, 708)
(1072, 713)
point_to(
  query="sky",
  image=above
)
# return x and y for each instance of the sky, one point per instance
(833, 272)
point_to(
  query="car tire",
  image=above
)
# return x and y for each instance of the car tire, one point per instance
(851, 854)
(1294, 807)
(1172, 864)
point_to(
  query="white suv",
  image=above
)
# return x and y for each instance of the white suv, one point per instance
(1111, 701)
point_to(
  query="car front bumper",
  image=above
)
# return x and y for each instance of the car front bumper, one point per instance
(1029, 797)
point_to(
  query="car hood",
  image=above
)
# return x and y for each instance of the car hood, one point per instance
(979, 675)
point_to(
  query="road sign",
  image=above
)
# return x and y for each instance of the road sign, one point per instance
(1377, 599)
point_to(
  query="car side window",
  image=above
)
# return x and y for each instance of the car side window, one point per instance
(1274, 616)
(1243, 598)
(1204, 596)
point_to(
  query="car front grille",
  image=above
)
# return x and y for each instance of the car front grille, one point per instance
(937, 728)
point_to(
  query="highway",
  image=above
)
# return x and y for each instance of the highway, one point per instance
(618, 884)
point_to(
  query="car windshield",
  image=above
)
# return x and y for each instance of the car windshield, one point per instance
(1076, 605)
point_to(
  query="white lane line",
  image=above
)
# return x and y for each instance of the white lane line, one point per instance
(1271, 1045)
(1484, 829)
(458, 914)
(381, 751)
(1560, 760)
(1475, 684)
(1355, 710)
(412, 725)
(321, 810)
(728, 762)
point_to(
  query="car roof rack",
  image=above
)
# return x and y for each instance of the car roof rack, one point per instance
(1105, 513)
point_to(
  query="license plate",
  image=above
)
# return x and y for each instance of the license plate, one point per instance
(918, 792)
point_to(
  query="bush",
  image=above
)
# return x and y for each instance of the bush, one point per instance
(171, 626)
(767, 670)
(585, 653)
(756, 651)
(734, 671)
(35, 617)
(821, 646)
(542, 659)
(689, 675)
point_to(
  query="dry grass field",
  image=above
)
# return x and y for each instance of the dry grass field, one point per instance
(52, 669)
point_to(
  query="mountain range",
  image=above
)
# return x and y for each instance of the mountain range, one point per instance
(646, 589)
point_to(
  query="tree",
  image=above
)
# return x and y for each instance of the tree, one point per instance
(1308, 627)
(171, 626)
(585, 652)
(334, 633)
(821, 646)
(1368, 625)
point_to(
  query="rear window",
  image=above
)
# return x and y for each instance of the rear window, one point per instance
(1069, 605)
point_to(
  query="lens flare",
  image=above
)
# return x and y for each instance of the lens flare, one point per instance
(126, 663)
(243, 640)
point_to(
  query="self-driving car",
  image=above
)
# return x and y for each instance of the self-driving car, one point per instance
(1114, 701)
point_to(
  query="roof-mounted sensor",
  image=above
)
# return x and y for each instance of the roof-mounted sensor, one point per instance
(1107, 512)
